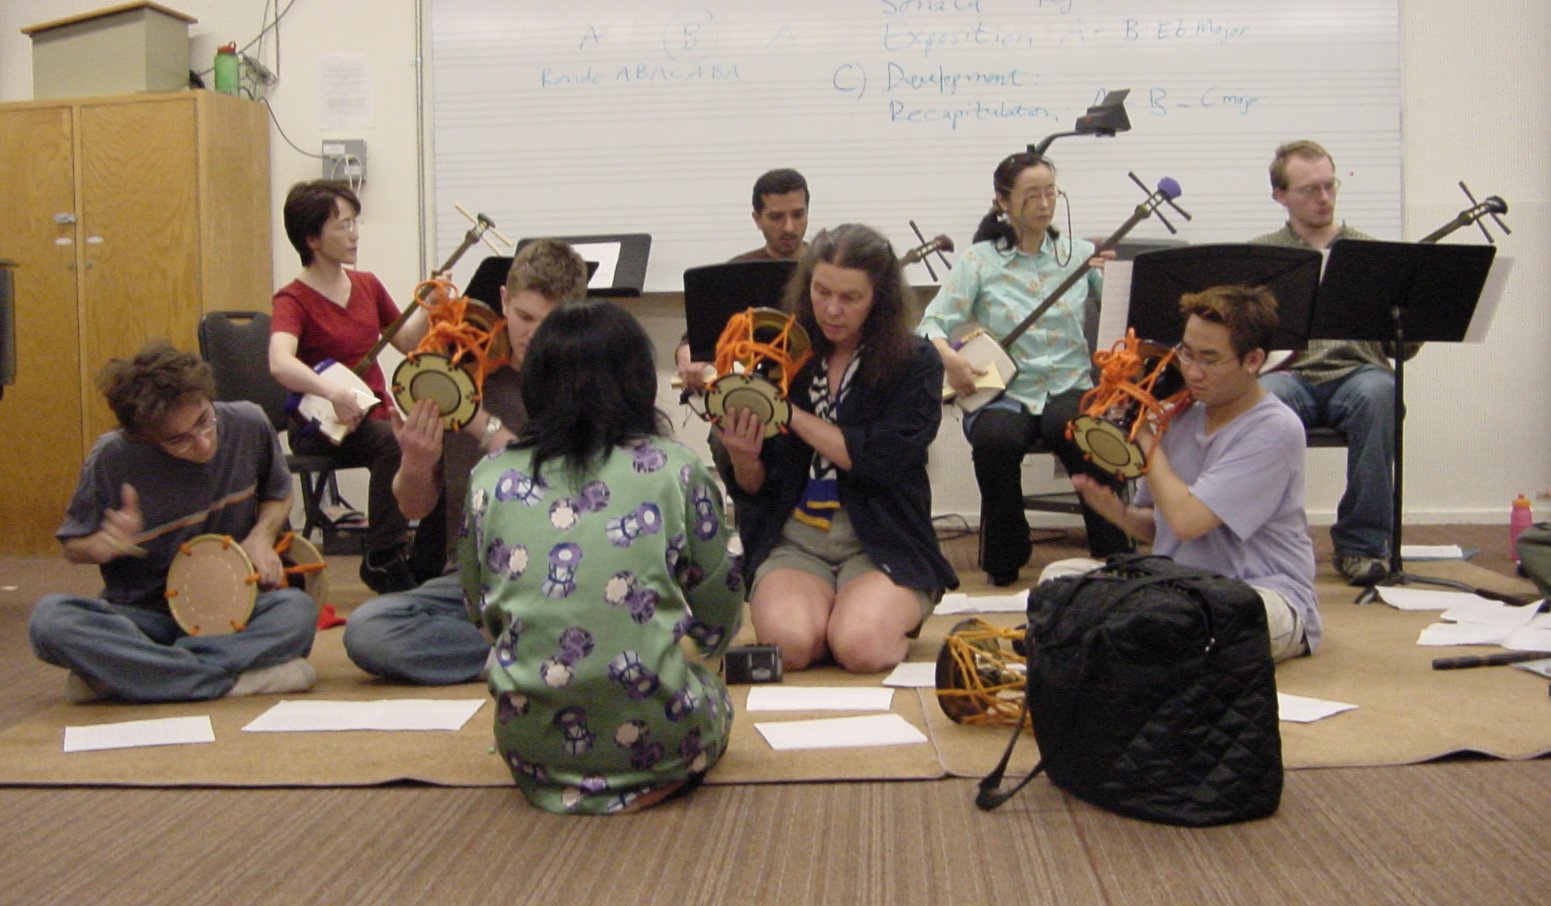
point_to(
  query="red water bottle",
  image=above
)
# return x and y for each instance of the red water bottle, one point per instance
(1519, 519)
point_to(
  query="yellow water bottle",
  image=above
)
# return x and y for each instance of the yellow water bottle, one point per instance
(226, 68)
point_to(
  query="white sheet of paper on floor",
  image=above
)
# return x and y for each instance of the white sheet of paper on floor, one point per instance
(913, 675)
(840, 732)
(383, 714)
(129, 734)
(1539, 668)
(1301, 709)
(819, 698)
(1406, 598)
(958, 602)
(1492, 613)
(1529, 638)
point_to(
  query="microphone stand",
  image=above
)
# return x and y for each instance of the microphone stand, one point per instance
(1397, 576)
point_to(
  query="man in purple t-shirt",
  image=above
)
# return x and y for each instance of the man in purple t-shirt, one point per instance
(1224, 488)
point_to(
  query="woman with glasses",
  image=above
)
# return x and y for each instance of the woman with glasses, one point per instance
(333, 312)
(178, 465)
(1017, 258)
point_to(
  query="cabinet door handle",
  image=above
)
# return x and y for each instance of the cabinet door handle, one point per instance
(64, 218)
(64, 240)
(94, 240)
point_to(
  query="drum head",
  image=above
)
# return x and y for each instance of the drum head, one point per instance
(950, 675)
(211, 587)
(1107, 446)
(429, 375)
(751, 392)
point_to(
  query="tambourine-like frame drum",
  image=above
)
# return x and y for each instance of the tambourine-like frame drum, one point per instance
(212, 586)
(433, 376)
(982, 673)
(758, 354)
(465, 341)
(1135, 374)
(304, 565)
(751, 392)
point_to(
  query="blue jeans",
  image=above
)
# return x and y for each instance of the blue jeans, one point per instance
(422, 636)
(143, 655)
(1360, 405)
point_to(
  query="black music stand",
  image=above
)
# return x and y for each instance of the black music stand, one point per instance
(1399, 292)
(624, 253)
(1160, 278)
(713, 293)
(490, 277)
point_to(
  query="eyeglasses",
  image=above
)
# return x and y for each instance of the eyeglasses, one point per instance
(1047, 194)
(1189, 359)
(1315, 188)
(349, 225)
(204, 427)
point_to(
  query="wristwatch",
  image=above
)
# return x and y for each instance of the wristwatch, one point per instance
(492, 425)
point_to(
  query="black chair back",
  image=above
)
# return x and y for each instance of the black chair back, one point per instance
(236, 344)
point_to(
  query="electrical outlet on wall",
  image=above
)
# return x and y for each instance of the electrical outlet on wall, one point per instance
(345, 159)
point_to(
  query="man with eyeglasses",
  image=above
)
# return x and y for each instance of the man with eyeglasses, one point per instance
(1342, 384)
(178, 466)
(1224, 486)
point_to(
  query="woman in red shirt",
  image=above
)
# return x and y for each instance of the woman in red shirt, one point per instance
(331, 311)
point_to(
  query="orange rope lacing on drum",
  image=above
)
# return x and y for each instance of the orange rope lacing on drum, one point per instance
(737, 346)
(999, 704)
(449, 330)
(1121, 385)
(283, 544)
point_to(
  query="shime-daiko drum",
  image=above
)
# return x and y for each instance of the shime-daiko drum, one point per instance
(758, 354)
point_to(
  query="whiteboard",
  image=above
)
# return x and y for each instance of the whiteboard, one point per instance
(614, 116)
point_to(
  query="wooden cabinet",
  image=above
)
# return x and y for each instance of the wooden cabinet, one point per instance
(129, 217)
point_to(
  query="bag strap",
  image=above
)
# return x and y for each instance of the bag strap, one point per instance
(989, 797)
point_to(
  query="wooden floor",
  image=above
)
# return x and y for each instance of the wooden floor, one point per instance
(1458, 831)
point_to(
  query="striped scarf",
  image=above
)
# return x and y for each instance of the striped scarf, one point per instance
(821, 497)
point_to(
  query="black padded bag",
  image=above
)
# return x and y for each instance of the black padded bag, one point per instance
(1153, 694)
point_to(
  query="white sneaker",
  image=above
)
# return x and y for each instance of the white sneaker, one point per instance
(295, 675)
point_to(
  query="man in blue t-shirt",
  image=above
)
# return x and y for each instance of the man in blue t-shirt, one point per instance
(1224, 488)
(179, 465)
